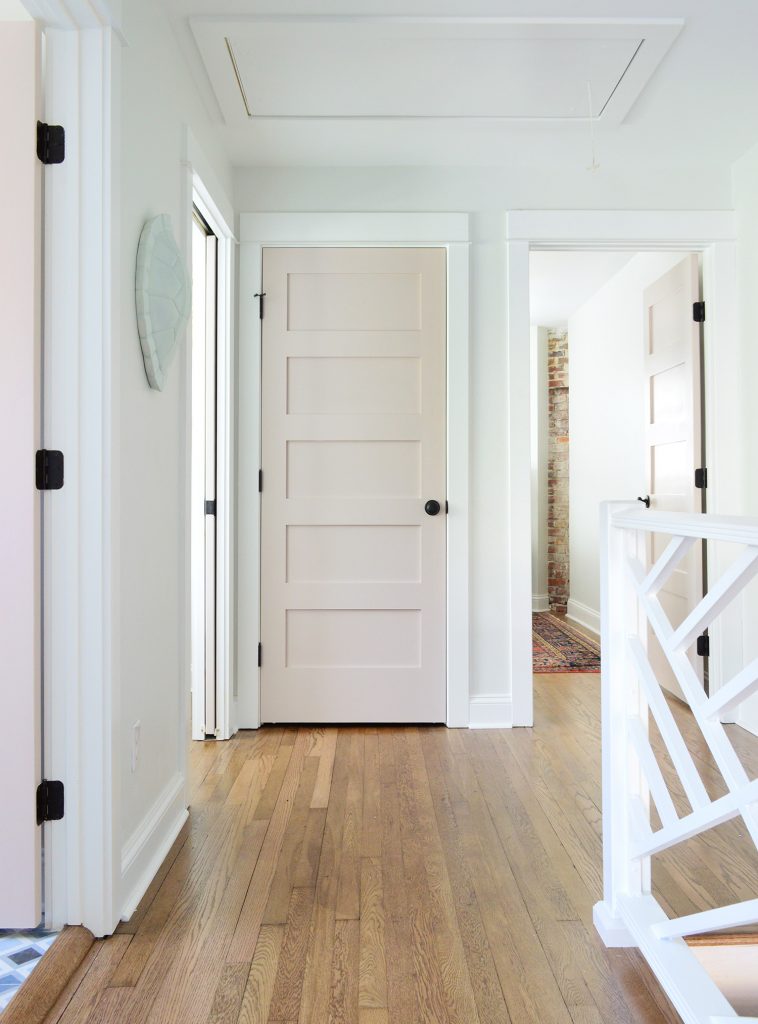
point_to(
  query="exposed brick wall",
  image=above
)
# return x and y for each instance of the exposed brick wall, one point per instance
(558, 472)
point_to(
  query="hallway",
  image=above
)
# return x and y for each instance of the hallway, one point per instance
(395, 875)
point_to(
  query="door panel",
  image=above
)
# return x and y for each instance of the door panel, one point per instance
(20, 509)
(353, 569)
(673, 432)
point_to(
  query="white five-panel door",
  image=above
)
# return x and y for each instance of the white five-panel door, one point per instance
(673, 435)
(353, 565)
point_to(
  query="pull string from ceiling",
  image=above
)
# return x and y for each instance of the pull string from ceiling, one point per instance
(594, 165)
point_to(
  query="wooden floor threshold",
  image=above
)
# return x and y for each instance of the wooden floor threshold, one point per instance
(43, 989)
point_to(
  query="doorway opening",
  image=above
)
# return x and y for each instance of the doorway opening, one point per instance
(617, 414)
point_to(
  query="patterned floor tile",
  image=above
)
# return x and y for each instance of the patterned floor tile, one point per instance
(20, 952)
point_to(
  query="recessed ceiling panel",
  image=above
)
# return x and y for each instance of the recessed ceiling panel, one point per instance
(357, 67)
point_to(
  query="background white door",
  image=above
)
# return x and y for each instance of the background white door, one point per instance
(20, 509)
(674, 437)
(353, 424)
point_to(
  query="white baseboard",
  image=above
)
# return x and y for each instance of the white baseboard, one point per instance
(147, 847)
(540, 603)
(490, 711)
(584, 615)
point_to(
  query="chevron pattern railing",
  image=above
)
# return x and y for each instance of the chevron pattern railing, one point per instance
(632, 777)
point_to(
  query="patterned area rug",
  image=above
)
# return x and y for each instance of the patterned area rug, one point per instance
(558, 647)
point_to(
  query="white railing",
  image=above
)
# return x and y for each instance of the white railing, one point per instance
(629, 915)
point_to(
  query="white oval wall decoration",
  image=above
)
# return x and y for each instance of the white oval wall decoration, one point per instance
(164, 297)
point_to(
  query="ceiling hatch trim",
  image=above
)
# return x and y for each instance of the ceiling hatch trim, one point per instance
(338, 68)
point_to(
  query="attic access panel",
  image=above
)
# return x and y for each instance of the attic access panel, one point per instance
(383, 67)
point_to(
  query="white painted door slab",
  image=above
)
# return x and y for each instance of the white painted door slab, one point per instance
(20, 538)
(353, 568)
(673, 418)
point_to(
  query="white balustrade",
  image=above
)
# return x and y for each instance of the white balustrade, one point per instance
(630, 607)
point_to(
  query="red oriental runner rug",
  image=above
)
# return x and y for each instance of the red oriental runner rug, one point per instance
(558, 647)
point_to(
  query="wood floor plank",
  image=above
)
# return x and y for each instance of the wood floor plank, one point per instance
(373, 964)
(326, 766)
(251, 916)
(401, 993)
(288, 861)
(260, 983)
(343, 1004)
(317, 981)
(229, 992)
(288, 986)
(349, 886)
(98, 976)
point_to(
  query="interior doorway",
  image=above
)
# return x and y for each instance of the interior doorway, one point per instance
(617, 413)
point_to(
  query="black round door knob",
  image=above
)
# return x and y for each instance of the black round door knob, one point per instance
(432, 507)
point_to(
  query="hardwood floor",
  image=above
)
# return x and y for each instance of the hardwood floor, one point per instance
(397, 875)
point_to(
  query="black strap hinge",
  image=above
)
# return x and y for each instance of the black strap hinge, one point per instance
(51, 143)
(698, 312)
(49, 470)
(210, 507)
(49, 801)
(260, 296)
(260, 481)
(703, 646)
(260, 655)
(701, 478)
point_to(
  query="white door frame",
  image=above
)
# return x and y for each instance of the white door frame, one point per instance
(712, 233)
(444, 230)
(81, 713)
(203, 192)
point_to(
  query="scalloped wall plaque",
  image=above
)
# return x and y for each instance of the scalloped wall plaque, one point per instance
(164, 297)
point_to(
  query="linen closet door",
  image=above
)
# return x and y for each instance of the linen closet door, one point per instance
(353, 621)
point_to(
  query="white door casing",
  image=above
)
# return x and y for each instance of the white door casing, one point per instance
(673, 442)
(20, 510)
(353, 427)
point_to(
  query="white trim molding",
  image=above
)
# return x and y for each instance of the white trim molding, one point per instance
(81, 659)
(710, 232)
(448, 230)
(203, 191)
(490, 711)
(540, 603)
(583, 615)
(148, 846)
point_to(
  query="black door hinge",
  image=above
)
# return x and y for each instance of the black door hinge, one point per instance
(49, 801)
(51, 143)
(260, 655)
(698, 312)
(701, 478)
(49, 466)
(260, 481)
(210, 507)
(703, 646)
(260, 296)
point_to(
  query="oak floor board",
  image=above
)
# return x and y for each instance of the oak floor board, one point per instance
(401, 875)
(372, 983)
(260, 983)
(288, 984)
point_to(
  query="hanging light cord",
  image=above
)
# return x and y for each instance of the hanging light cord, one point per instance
(594, 166)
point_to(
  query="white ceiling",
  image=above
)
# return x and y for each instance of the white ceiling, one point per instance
(696, 107)
(561, 282)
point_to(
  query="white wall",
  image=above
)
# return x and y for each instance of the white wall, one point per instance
(151, 440)
(539, 435)
(606, 416)
(485, 193)
(746, 205)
